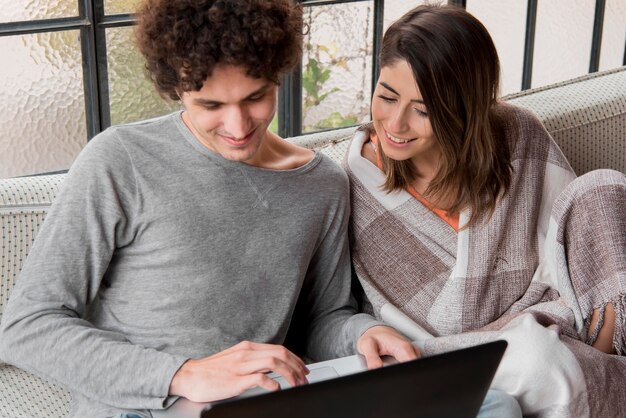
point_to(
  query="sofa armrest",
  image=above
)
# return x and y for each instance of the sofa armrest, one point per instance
(24, 202)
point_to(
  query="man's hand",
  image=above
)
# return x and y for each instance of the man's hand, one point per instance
(234, 370)
(385, 341)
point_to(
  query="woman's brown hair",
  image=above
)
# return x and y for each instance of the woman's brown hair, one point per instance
(457, 71)
(183, 40)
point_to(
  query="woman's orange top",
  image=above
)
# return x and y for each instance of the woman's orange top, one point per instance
(452, 220)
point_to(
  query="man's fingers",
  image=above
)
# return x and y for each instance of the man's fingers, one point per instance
(236, 369)
(293, 375)
(248, 351)
(259, 379)
(281, 354)
(250, 358)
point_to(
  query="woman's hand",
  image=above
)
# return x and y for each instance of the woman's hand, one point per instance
(381, 341)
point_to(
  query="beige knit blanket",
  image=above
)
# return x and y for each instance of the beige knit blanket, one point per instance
(554, 250)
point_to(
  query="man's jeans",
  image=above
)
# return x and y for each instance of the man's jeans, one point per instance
(498, 404)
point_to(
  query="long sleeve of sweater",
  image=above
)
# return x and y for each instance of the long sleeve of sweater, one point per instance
(44, 329)
(326, 301)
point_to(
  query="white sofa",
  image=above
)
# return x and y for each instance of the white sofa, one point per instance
(586, 116)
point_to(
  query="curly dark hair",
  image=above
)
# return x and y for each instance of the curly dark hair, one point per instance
(183, 40)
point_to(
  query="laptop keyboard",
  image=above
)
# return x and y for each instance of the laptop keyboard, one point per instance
(315, 375)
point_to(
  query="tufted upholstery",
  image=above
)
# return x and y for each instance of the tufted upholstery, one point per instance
(25, 395)
(23, 205)
(586, 116)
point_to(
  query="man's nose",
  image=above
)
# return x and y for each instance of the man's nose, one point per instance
(237, 122)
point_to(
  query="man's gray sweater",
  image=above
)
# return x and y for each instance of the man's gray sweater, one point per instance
(157, 250)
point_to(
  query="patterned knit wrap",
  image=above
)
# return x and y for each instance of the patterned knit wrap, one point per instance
(554, 250)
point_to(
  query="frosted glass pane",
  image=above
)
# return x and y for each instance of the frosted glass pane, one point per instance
(613, 35)
(120, 6)
(132, 95)
(337, 65)
(562, 40)
(506, 22)
(42, 107)
(394, 9)
(17, 10)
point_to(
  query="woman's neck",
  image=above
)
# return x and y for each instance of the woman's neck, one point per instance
(426, 166)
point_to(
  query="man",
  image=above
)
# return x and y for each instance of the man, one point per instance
(180, 248)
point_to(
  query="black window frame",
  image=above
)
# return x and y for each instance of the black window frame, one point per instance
(92, 22)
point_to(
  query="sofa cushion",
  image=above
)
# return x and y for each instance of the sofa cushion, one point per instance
(24, 202)
(25, 395)
(586, 116)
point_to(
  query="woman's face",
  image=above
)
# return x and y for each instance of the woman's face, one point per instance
(400, 116)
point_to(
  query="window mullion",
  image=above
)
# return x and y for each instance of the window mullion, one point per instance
(102, 64)
(90, 72)
(596, 42)
(379, 16)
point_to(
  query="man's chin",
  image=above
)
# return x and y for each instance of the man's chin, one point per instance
(246, 151)
(247, 156)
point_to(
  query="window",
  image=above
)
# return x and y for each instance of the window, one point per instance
(71, 69)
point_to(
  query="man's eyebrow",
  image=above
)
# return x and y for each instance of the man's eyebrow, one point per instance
(209, 102)
(388, 87)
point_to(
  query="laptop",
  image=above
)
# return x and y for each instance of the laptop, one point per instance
(452, 384)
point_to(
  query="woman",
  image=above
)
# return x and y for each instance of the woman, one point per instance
(469, 224)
